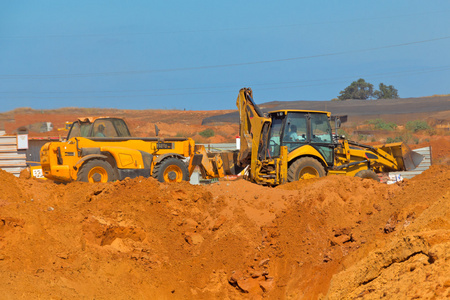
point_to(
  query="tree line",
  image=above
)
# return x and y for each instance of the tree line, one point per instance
(362, 90)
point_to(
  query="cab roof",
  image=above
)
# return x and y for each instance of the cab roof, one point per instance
(285, 111)
(90, 119)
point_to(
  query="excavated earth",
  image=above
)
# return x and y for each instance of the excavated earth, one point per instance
(330, 238)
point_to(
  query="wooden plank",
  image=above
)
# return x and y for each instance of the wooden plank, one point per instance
(8, 140)
(423, 149)
(12, 165)
(8, 148)
(14, 159)
(11, 160)
(13, 155)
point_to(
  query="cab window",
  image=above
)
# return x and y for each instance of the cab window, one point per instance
(121, 128)
(321, 137)
(74, 131)
(320, 129)
(295, 130)
(79, 130)
(110, 128)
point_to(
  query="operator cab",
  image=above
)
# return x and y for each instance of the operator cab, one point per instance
(99, 127)
(296, 128)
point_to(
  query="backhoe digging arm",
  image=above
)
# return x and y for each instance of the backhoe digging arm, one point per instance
(251, 121)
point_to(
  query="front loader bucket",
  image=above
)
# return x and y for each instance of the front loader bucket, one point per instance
(230, 162)
(406, 158)
(411, 159)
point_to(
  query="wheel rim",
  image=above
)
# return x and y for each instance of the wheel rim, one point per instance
(173, 174)
(98, 174)
(308, 172)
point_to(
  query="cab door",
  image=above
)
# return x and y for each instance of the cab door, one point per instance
(320, 135)
(275, 135)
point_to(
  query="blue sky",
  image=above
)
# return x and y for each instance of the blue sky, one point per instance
(196, 55)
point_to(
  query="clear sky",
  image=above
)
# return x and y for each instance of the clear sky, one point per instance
(196, 55)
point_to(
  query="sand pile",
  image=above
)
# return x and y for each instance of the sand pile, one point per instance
(334, 238)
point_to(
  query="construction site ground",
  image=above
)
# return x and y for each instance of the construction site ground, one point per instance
(335, 237)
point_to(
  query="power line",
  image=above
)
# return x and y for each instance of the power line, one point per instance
(60, 76)
(312, 82)
(385, 74)
(339, 80)
(281, 26)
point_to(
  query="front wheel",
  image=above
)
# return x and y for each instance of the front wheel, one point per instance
(368, 174)
(171, 170)
(305, 168)
(96, 170)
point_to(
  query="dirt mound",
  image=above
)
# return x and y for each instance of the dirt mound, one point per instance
(414, 260)
(229, 240)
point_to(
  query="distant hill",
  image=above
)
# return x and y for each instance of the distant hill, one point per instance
(391, 109)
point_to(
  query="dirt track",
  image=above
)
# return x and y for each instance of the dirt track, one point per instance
(334, 238)
(399, 110)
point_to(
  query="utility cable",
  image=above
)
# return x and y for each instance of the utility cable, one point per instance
(322, 83)
(265, 27)
(222, 65)
(312, 81)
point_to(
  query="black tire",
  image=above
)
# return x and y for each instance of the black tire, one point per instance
(171, 170)
(96, 170)
(368, 174)
(303, 166)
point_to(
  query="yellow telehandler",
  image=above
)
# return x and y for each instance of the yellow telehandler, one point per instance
(101, 149)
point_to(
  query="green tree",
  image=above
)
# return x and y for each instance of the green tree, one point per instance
(207, 133)
(359, 89)
(417, 125)
(386, 92)
(380, 124)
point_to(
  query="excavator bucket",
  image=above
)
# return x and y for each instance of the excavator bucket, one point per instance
(407, 159)
(411, 159)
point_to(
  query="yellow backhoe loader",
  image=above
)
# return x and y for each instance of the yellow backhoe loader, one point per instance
(288, 145)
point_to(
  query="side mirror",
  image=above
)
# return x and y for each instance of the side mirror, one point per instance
(156, 130)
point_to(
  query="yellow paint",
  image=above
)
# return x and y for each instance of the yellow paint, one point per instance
(286, 111)
(306, 150)
(126, 154)
(126, 160)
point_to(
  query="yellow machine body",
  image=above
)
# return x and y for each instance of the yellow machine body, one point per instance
(287, 145)
(116, 156)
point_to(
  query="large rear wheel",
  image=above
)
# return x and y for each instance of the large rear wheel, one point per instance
(305, 168)
(171, 170)
(96, 170)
